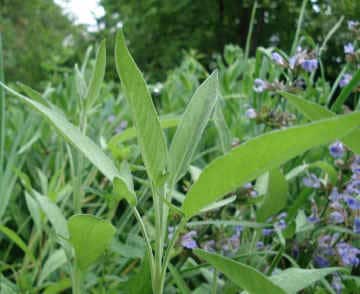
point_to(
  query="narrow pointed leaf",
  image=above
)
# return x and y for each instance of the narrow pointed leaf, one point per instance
(98, 74)
(260, 154)
(73, 134)
(150, 135)
(192, 125)
(17, 240)
(90, 237)
(244, 276)
(313, 112)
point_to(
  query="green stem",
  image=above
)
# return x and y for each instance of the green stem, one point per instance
(298, 28)
(2, 109)
(251, 26)
(214, 282)
(77, 283)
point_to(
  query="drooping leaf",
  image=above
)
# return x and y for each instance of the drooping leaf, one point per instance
(192, 125)
(17, 240)
(125, 191)
(313, 112)
(90, 236)
(293, 280)
(98, 74)
(73, 134)
(150, 135)
(260, 154)
(275, 196)
(244, 276)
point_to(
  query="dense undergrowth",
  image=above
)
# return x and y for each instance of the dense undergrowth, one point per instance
(244, 178)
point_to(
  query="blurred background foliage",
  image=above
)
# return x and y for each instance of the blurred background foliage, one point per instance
(40, 40)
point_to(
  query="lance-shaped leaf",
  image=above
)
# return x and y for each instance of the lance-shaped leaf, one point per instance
(261, 154)
(244, 276)
(293, 280)
(98, 74)
(73, 135)
(192, 125)
(150, 135)
(313, 112)
(121, 190)
(276, 191)
(90, 237)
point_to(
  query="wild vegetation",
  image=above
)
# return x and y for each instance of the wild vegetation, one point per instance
(238, 177)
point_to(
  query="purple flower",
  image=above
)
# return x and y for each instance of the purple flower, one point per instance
(248, 186)
(320, 261)
(309, 65)
(356, 227)
(292, 61)
(352, 24)
(281, 224)
(260, 85)
(336, 284)
(311, 181)
(335, 195)
(238, 230)
(352, 202)
(254, 194)
(277, 58)
(336, 217)
(282, 215)
(187, 240)
(349, 48)
(337, 149)
(348, 254)
(355, 166)
(267, 232)
(259, 245)
(353, 187)
(234, 242)
(251, 113)
(111, 118)
(122, 126)
(345, 79)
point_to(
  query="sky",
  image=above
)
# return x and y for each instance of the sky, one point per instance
(83, 11)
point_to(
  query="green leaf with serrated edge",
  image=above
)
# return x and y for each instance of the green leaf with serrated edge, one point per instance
(275, 196)
(293, 280)
(73, 134)
(98, 74)
(151, 138)
(17, 240)
(244, 276)
(256, 156)
(90, 236)
(192, 125)
(313, 112)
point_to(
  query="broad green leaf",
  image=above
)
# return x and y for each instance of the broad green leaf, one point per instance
(275, 196)
(313, 112)
(150, 135)
(58, 287)
(261, 154)
(130, 133)
(98, 74)
(34, 210)
(54, 215)
(345, 92)
(293, 280)
(192, 125)
(56, 260)
(17, 240)
(73, 134)
(244, 276)
(90, 236)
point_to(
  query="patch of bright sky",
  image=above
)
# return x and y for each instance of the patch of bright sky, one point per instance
(83, 11)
